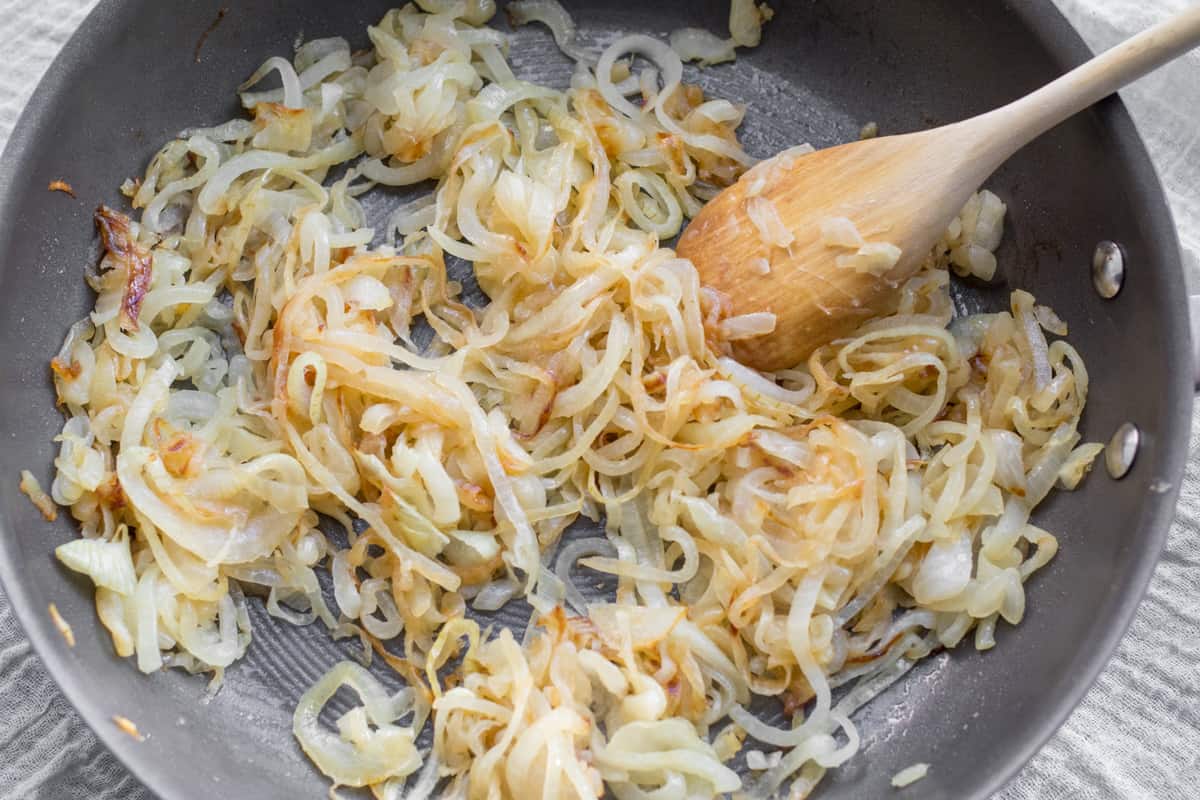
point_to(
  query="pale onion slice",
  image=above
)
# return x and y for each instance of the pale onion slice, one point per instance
(746, 18)
(697, 44)
(765, 217)
(107, 563)
(910, 775)
(873, 258)
(840, 232)
(748, 326)
(356, 755)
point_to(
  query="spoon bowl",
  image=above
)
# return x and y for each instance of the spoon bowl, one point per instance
(823, 240)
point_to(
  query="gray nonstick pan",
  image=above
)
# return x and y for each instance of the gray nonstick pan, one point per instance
(139, 71)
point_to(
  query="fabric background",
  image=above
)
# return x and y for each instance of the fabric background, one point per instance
(1137, 732)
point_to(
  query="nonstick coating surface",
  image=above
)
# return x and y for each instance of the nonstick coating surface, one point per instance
(129, 80)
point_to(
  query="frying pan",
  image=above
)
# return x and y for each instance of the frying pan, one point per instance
(138, 71)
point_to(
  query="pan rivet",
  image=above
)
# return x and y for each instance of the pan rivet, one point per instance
(1122, 450)
(1108, 269)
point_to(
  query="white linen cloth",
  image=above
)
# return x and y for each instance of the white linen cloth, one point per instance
(1136, 734)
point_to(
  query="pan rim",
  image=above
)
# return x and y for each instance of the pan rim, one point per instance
(1060, 39)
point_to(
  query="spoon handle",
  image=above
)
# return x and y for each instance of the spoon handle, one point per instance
(1024, 119)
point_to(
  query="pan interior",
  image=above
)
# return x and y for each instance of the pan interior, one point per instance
(823, 70)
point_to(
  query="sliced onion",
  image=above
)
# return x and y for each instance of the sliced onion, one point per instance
(1010, 466)
(746, 19)
(766, 220)
(760, 384)
(551, 14)
(1034, 338)
(107, 563)
(748, 326)
(495, 595)
(211, 199)
(989, 224)
(664, 58)
(664, 746)
(945, 571)
(910, 775)
(840, 232)
(875, 258)
(1050, 321)
(697, 44)
(355, 757)
(293, 96)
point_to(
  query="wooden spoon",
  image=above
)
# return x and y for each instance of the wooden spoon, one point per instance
(904, 190)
